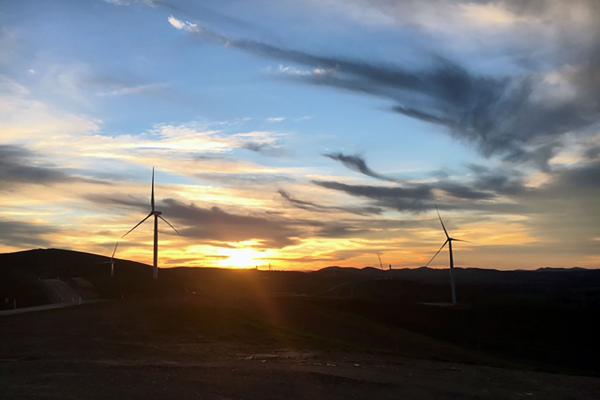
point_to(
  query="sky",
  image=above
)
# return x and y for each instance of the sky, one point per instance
(305, 133)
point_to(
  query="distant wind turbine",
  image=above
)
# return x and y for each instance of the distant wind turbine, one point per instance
(380, 263)
(448, 242)
(157, 214)
(112, 261)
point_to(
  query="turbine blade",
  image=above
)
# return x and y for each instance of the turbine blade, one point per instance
(152, 193)
(138, 224)
(115, 250)
(436, 253)
(442, 222)
(461, 240)
(168, 223)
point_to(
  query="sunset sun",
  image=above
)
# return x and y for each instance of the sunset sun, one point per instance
(242, 258)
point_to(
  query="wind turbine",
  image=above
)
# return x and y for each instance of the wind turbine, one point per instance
(448, 242)
(380, 263)
(157, 214)
(112, 261)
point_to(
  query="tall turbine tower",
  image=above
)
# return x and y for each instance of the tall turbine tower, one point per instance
(157, 214)
(448, 242)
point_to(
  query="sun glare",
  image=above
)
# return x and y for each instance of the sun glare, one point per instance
(242, 258)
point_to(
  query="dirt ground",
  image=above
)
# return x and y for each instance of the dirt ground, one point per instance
(108, 351)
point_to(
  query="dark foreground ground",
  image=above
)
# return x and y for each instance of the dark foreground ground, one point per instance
(249, 348)
(336, 333)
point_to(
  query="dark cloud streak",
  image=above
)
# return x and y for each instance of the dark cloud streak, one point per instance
(358, 164)
(216, 224)
(416, 199)
(23, 234)
(499, 114)
(21, 166)
(312, 206)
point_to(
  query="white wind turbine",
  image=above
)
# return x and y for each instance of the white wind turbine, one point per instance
(112, 261)
(448, 242)
(157, 214)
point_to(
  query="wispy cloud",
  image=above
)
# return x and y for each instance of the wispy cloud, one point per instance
(312, 206)
(21, 234)
(133, 90)
(25, 120)
(151, 3)
(413, 199)
(358, 164)
(20, 166)
(499, 114)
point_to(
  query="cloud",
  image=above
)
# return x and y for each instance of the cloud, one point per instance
(218, 227)
(358, 164)
(576, 179)
(244, 179)
(499, 114)
(16, 166)
(415, 199)
(184, 25)
(150, 3)
(215, 224)
(312, 206)
(498, 181)
(260, 147)
(23, 234)
(80, 84)
(21, 166)
(24, 119)
(123, 90)
(40, 132)
(564, 212)
(485, 189)
(439, 16)
(190, 138)
(266, 143)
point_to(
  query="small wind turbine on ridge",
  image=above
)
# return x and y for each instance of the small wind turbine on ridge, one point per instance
(157, 214)
(448, 242)
(112, 261)
(380, 263)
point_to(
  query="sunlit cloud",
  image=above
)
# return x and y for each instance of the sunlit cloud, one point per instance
(184, 25)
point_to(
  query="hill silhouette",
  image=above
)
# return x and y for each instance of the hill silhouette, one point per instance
(21, 272)
(519, 316)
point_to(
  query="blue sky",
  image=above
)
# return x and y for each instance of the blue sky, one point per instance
(485, 109)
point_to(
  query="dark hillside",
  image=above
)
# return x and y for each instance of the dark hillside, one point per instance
(544, 318)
